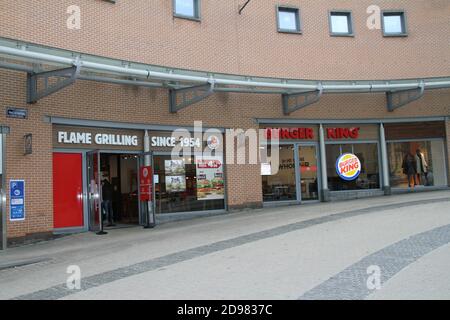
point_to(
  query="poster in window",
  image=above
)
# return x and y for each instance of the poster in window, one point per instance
(210, 180)
(174, 167)
(175, 184)
(175, 176)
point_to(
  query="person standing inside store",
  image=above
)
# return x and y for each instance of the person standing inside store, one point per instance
(422, 167)
(409, 168)
(107, 197)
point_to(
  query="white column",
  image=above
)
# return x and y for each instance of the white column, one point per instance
(384, 161)
(3, 238)
(147, 162)
(323, 164)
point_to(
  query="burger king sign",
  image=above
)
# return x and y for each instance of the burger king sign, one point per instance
(348, 166)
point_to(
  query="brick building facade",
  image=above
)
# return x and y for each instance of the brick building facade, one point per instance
(221, 41)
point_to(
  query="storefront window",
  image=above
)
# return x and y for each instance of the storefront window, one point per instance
(367, 154)
(281, 186)
(188, 184)
(417, 163)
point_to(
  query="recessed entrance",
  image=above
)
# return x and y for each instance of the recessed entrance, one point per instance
(113, 189)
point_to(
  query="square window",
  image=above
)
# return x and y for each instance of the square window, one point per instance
(341, 23)
(394, 24)
(288, 20)
(187, 9)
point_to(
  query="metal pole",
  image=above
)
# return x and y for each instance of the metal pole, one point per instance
(3, 237)
(384, 161)
(323, 165)
(150, 221)
(100, 198)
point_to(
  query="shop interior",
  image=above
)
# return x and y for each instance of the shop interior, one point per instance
(367, 154)
(417, 163)
(179, 186)
(120, 187)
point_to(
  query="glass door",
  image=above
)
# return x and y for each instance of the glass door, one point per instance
(94, 190)
(308, 172)
(279, 183)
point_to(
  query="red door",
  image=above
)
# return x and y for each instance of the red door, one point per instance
(67, 190)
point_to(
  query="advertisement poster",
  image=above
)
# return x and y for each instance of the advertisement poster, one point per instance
(175, 176)
(210, 182)
(17, 200)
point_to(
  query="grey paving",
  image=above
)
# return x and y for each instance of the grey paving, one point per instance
(21, 263)
(351, 283)
(61, 291)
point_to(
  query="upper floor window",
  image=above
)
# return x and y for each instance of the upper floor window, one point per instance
(394, 23)
(341, 23)
(189, 9)
(288, 19)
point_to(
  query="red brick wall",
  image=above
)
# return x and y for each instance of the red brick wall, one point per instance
(224, 41)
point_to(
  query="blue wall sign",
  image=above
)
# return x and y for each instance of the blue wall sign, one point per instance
(17, 200)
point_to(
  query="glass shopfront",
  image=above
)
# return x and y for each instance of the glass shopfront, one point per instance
(188, 175)
(308, 164)
(188, 172)
(369, 177)
(415, 158)
(295, 180)
(188, 184)
(357, 140)
(282, 185)
(417, 163)
(416, 154)
(296, 176)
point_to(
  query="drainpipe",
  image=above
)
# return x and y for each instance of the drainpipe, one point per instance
(150, 214)
(3, 220)
(145, 73)
(384, 162)
(323, 166)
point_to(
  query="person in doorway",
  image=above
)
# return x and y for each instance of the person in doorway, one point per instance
(117, 202)
(422, 167)
(409, 168)
(107, 197)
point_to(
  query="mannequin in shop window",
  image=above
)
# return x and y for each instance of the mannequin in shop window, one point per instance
(422, 167)
(409, 168)
(107, 197)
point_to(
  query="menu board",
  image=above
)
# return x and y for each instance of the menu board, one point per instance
(175, 176)
(210, 180)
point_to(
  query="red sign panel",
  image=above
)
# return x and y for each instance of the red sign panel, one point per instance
(67, 190)
(342, 133)
(209, 164)
(145, 181)
(290, 133)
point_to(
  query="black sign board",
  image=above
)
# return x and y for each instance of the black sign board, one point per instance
(17, 113)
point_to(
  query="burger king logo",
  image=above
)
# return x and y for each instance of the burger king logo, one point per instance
(213, 142)
(348, 166)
